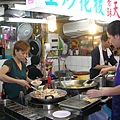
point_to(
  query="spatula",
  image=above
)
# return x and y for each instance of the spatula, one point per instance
(91, 80)
(34, 88)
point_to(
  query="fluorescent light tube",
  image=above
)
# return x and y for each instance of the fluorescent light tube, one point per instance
(19, 7)
(26, 20)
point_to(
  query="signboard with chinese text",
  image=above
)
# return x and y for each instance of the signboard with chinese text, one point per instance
(93, 9)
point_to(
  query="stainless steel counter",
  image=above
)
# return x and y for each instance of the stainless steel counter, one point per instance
(33, 112)
(36, 111)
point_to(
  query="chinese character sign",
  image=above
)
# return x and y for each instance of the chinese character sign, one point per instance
(94, 9)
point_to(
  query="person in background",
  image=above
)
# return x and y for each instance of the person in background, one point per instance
(113, 32)
(13, 71)
(33, 71)
(101, 56)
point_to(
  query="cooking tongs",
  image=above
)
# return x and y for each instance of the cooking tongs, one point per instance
(88, 82)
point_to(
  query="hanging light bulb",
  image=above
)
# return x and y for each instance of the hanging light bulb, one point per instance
(92, 27)
(51, 23)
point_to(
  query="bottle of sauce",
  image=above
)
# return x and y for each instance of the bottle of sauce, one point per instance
(49, 82)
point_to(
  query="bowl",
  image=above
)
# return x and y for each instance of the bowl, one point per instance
(36, 83)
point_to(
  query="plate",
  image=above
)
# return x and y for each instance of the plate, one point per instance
(36, 83)
(61, 113)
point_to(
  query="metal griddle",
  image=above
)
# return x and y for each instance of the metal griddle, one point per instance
(84, 107)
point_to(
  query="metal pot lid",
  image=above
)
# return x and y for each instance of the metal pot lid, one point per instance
(35, 45)
(24, 31)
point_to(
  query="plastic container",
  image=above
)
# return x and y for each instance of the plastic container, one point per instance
(22, 98)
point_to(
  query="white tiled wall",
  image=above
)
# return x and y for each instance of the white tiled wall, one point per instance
(76, 63)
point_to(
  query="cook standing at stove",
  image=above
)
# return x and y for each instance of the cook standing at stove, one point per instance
(113, 32)
(101, 56)
(15, 70)
(33, 71)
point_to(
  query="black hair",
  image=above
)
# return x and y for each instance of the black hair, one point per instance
(104, 37)
(35, 60)
(114, 28)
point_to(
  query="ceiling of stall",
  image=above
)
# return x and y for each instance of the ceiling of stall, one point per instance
(36, 15)
(10, 3)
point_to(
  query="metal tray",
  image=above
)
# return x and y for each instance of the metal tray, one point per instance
(77, 103)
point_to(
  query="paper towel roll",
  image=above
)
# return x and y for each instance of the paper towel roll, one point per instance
(47, 47)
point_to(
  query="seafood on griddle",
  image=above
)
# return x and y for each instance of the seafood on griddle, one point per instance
(91, 100)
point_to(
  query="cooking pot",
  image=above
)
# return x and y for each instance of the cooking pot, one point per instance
(74, 87)
(50, 98)
(109, 79)
(109, 82)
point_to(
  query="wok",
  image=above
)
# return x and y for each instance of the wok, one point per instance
(76, 84)
(50, 98)
(74, 87)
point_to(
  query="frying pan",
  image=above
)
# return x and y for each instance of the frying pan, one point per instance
(47, 100)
